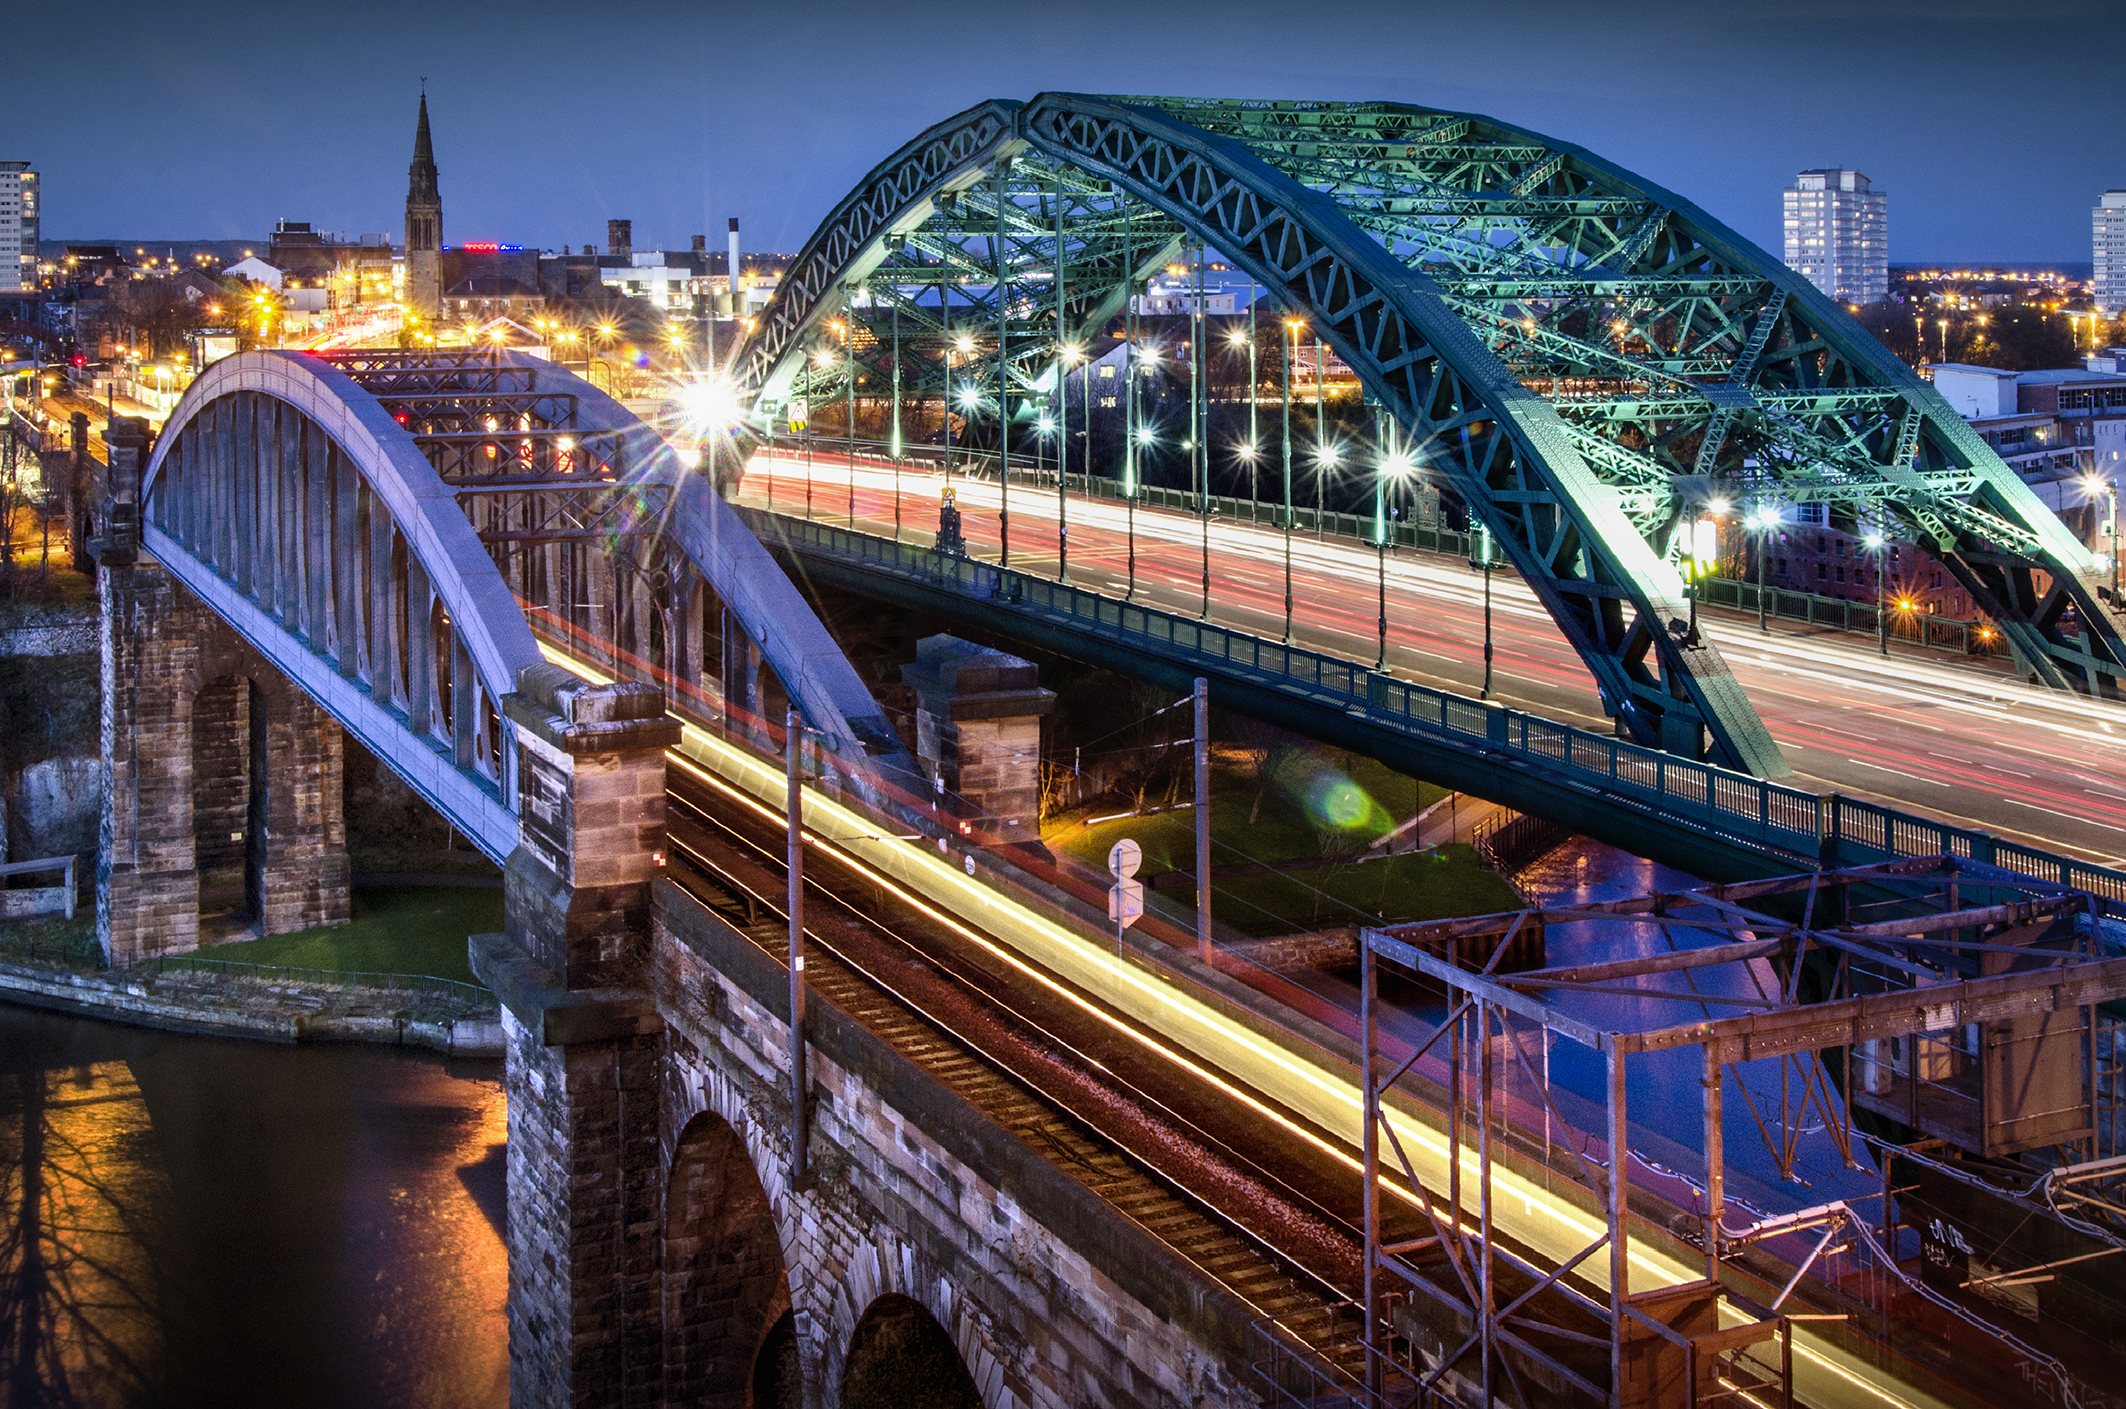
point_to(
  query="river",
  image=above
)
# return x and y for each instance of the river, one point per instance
(201, 1221)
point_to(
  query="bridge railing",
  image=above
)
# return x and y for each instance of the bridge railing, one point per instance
(1950, 635)
(1786, 824)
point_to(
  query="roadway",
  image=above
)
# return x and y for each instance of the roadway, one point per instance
(1966, 744)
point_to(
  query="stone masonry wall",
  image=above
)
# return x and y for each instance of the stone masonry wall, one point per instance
(1040, 1318)
(162, 653)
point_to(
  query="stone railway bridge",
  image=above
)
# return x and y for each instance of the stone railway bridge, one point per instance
(317, 548)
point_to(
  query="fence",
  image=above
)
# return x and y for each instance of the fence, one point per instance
(1787, 825)
(1950, 635)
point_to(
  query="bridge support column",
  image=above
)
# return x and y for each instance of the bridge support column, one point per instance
(583, 1042)
(978, 725)
(171, 670)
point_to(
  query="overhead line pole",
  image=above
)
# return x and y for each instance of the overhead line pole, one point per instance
(793, 746)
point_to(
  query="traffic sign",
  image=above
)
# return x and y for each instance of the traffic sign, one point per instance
(1125, 898)
(1125, 902)
(1123, 859)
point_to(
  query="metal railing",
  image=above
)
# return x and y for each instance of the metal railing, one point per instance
(1786, 824)
(454, 989)
(1950, 635)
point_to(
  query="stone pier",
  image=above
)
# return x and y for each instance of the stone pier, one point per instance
(221, 780)
(978, 725)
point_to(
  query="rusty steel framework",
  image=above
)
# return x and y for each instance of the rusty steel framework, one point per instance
(1894, 955)
(1584, 358)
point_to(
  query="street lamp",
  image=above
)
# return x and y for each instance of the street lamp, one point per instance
(1070, 355)
(1397, 466)
(1703, 552)
(1291, 344)
(1876, 543)
(1765, 520)
(2093, 486)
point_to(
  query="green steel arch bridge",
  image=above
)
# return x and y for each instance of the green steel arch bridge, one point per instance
(1584, 358)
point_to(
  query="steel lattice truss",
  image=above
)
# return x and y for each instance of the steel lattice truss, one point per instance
(1583, 356)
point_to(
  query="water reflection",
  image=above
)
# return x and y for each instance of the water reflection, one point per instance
(198, 1221)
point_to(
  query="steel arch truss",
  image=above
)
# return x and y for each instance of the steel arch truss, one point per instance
(1582, 356)
(1499, 444)
(375, 523)
(1686, 363)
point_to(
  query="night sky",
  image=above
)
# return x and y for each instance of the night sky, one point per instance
(1991, 125)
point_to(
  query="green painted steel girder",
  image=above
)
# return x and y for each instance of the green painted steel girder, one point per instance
(1577, 352)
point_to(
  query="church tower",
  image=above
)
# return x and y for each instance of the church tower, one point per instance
(424, 226)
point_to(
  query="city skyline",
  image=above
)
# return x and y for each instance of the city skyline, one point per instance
(681, 121)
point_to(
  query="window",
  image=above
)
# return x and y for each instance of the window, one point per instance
(1823, 572)
(1841, 574)
(1782, 567)
(1107, 372)
(1841, 547)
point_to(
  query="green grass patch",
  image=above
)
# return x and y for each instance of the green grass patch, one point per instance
(53, 941)
(396, 930)
(1315, 809)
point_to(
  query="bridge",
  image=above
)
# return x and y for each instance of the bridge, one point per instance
(818, 1076)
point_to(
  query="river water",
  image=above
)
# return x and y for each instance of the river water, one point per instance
(200, 1221)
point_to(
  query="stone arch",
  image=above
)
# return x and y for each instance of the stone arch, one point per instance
(889, 1272)
(725, 1284)
(899, 1355)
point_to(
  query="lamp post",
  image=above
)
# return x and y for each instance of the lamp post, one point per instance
(2093, 486)
(1877, 543)
(1003, 398)
(1704, 553)
(1480, 537)
(1199, 451)
(1765, 520)
(896, 296)
(1290, 341)
(1064, 357)
(1321, 439)
(849, 405)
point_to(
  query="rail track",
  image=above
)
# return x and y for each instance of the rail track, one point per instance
(1272, 1245)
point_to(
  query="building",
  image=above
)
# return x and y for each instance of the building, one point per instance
(2108, 244)
(1838, 234)
(356, 269)
(2058, 429)
(483, 298)
(422, 292)
(18, 226)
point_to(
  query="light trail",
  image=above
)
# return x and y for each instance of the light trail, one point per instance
(1799, 683)
(1226, 1055)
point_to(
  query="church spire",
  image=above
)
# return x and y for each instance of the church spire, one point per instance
(421, 175)
(424, 225)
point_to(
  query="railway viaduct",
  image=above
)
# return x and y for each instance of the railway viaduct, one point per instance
(288, 565)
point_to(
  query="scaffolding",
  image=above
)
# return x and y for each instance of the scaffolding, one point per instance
(1958, 993)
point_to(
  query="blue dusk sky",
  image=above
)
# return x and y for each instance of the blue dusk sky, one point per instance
(1990, 125)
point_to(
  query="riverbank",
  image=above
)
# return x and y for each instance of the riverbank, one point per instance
(53, 964)
(269, 1009)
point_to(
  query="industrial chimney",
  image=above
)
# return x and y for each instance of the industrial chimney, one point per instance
(738, 302)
